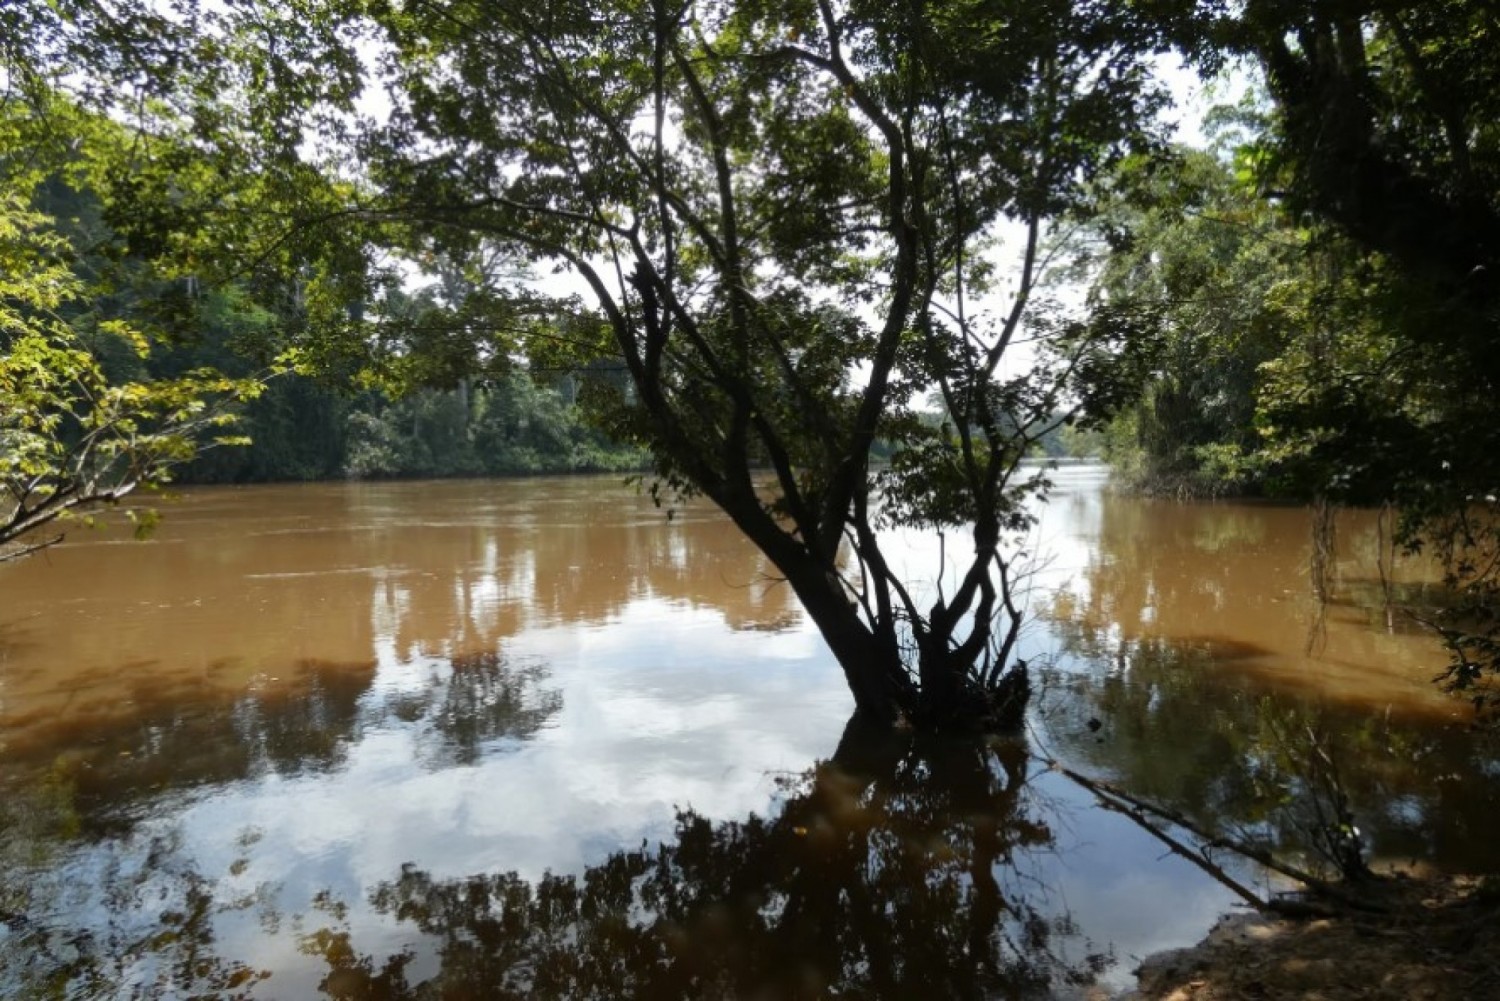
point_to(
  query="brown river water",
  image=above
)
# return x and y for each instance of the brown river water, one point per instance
(534, 738)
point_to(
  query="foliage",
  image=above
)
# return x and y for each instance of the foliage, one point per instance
(70, 436)
(1385, 130)
(1186, 246)
(1283, 366)
(94, 402)
(1385, 127)
(510, 427)
(220, 321)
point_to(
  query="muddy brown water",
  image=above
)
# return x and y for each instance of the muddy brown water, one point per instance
(534, 738)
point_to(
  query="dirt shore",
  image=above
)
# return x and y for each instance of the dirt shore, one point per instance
(1433, 937)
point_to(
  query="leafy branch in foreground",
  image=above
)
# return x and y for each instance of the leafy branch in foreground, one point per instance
(70, 437)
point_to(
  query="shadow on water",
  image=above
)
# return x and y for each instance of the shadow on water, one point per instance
(1194, 669)
(897, 869)
(1234, 578)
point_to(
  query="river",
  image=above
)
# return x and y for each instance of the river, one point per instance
(536, 738)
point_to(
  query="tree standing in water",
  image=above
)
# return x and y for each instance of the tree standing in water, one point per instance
(791, 218)
(787, 214)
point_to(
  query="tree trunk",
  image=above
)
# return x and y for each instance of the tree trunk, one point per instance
(948, 698)
(882, 690)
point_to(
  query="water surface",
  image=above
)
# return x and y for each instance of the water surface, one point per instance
(536, 738)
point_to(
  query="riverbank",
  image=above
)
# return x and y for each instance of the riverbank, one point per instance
(1432, 937)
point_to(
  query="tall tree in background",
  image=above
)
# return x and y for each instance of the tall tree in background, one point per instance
(1194, 248)
(1390, 124)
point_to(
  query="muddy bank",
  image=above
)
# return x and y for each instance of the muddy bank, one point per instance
(1423, 938)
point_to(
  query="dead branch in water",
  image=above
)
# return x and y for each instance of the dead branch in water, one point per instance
(1119, 801)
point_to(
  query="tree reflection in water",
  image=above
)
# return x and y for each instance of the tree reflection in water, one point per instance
(900, 868)
(101, 899)
(474, 703)
(903, 867)
(150, 929)
(896, 870)
(456, 709)
(1174, 724)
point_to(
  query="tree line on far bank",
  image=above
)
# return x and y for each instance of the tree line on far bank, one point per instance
(516, 424)
(502, 420)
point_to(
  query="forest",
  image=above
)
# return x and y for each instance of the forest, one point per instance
(826, 282)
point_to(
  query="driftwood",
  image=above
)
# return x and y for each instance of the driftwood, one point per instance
(1149, 815)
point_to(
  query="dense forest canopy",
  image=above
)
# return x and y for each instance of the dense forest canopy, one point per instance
(797, 224)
